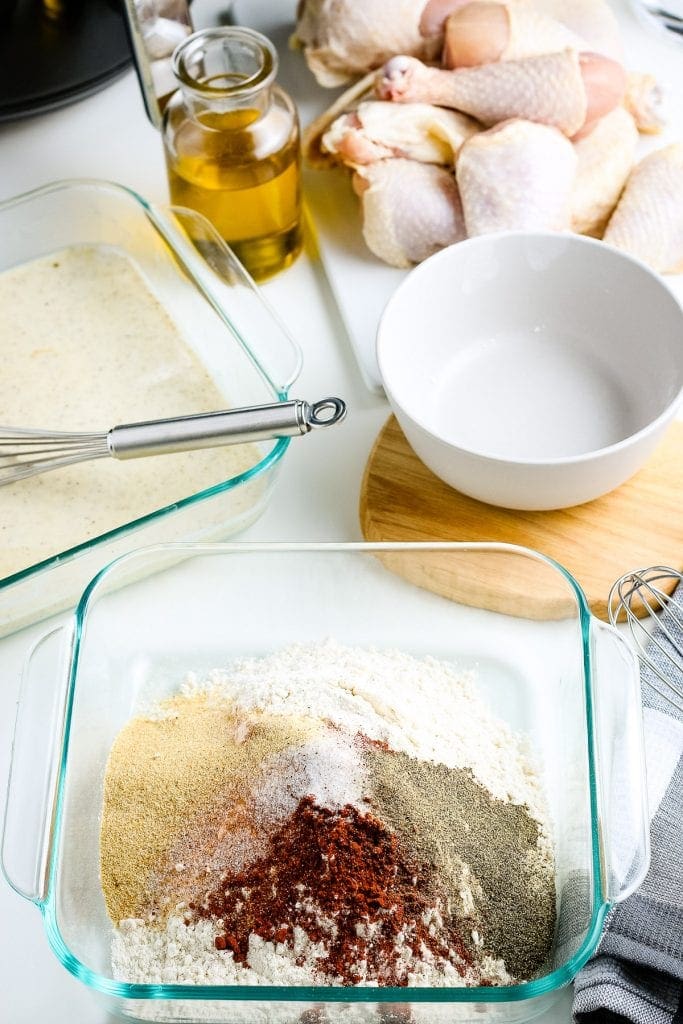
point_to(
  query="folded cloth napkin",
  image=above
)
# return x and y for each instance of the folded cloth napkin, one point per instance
(637, 973)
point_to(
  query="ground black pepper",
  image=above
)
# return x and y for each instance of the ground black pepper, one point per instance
(448, 820)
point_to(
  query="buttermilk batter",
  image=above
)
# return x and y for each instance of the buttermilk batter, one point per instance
(85, 345)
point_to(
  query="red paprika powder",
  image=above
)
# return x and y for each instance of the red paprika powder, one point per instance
(342, 877)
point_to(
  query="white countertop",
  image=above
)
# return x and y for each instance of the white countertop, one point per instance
(316, 498)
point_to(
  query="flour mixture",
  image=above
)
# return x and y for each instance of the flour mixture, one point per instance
(330, 816)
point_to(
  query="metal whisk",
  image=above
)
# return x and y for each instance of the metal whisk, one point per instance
(661, 653)
(26, 452)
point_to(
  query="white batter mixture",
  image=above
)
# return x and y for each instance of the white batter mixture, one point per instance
(85, 345)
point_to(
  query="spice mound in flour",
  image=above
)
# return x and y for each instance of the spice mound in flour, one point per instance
(344, 879)
(326, 815)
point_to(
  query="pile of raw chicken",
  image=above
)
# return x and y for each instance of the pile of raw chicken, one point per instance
(482, 116)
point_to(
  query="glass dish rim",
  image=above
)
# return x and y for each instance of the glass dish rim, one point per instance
(281, 393)
(546, 984)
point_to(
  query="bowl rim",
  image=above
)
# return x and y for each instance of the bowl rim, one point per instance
(549, 982)
(652, 427)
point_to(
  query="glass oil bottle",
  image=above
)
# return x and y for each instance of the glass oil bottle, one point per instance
(231, 140)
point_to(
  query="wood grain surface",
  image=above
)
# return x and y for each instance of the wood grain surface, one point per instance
(639, 524)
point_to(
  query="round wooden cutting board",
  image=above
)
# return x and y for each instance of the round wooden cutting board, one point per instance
(639, 524)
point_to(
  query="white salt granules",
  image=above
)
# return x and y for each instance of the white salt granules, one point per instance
(421, 707)
(325, 765)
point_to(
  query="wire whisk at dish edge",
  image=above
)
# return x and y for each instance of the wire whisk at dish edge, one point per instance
(26, 452)
(660, 651)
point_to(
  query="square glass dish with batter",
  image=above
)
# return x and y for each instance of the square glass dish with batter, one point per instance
(110, 315)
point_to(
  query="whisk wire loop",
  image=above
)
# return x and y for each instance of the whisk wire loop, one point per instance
(25, 452)
(660, 652)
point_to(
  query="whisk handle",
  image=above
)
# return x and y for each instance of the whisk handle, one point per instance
(233, 426)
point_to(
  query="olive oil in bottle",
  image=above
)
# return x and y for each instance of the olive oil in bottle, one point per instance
(231, 139)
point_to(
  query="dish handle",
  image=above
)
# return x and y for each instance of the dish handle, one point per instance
(34, 768)
(620, 777)
(243, 308)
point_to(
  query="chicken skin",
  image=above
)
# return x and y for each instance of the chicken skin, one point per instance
(417, 131)
(648, 220)
(517, 176)
(566, 89)
(410, 210)
(343, 39)
(483, 32)
(605, 158)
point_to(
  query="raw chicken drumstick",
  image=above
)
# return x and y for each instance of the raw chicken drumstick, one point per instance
(565, 89)
(593, 21)
(418, 131)
(482, 32)
(648, 220)
(343, 39)
(410, 210)
(605, 158)
(517, 176)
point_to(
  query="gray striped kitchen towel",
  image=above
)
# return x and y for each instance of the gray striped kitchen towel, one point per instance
(637, 973)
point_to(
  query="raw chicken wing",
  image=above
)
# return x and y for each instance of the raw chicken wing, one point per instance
(410, 210)
(342, 39)
(648, 221)
(517, 176)
(605, 158)
(418, 131)
(561, 89)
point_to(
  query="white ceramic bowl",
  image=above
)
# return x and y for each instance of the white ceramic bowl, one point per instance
(532, 371)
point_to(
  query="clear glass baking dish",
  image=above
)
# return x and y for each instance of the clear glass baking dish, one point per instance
(544, 664)
(222, 317)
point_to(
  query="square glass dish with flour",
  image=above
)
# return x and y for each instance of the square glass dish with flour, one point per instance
(326, 785)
